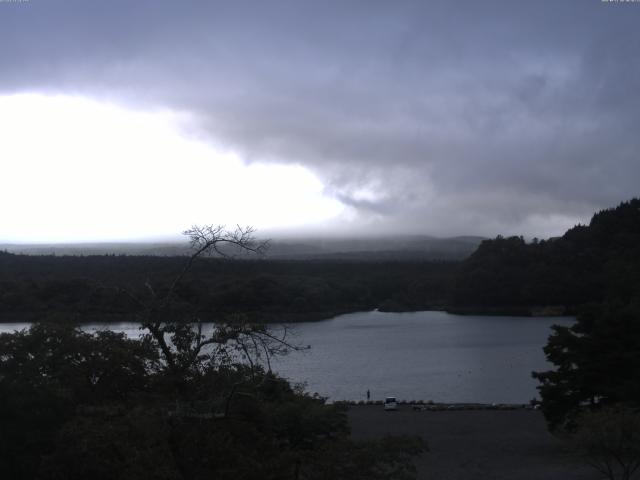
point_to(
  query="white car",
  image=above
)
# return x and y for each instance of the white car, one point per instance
(390, 403)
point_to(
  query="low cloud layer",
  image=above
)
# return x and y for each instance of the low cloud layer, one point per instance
(423, 117)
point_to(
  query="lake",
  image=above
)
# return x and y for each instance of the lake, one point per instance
(414, 356)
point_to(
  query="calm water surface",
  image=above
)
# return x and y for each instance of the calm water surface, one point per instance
(418, 355)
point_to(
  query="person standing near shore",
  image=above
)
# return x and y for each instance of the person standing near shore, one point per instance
(368, 395)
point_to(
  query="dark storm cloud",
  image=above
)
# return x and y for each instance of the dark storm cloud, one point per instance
(443, 117)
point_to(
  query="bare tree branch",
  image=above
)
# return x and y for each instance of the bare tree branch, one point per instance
(182, 343)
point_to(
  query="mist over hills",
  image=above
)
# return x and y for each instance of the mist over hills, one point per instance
(408, 247)
(314, 279)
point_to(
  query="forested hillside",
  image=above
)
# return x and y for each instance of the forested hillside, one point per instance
(587, 264)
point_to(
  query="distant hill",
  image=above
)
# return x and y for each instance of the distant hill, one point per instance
(418, 247)
(161, 249)
(589, 263)
(365, 248)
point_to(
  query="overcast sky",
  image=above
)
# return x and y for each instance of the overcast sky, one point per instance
(130, 119)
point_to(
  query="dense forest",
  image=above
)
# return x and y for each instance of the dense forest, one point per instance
(503, 276)
(271, 290)
(589, 263)
(78, 406)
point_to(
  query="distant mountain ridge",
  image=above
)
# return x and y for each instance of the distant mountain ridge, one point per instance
(416, 247)
(399, 247)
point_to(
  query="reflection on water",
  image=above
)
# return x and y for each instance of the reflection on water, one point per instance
(418, 355)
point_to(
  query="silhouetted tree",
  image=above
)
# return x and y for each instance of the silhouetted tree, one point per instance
(597, 362)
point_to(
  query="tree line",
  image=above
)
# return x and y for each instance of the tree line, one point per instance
(589, 263)
(266, 290)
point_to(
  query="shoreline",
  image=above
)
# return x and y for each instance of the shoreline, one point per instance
(293, 318)
(421, 405)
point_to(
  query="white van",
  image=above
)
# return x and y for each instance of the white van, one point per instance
(390, 403)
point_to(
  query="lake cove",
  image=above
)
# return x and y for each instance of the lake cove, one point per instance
(422, 355)
(427, 355)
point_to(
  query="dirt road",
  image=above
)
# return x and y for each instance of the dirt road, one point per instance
(476, 444)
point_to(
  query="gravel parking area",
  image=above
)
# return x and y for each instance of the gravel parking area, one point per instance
(476, 444)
